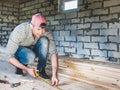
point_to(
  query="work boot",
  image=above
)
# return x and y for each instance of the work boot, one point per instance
(43, 74)
(20, 71)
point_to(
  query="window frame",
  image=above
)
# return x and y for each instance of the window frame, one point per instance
(61, 6)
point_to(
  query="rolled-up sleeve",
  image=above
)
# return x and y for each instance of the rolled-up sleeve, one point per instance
(11, 48)
(52, 46)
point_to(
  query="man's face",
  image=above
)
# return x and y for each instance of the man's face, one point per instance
(38, 31)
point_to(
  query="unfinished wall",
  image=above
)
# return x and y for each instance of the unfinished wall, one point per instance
(92, 32)
(8, 20)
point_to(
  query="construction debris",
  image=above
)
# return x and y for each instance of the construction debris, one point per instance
(15, 84)
(11, 84)
(4, 81)
(28, 83)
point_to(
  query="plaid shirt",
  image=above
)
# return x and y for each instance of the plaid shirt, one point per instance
(22, 36)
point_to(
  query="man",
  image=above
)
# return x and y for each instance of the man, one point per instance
(30, 40)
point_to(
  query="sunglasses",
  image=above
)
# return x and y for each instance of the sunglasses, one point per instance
(42, 25)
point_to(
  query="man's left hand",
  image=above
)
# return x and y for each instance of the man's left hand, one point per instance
(55, 81)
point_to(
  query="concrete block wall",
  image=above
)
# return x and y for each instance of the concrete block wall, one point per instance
(8, 20)
(92, 32)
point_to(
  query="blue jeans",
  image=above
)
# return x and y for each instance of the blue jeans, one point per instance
(25, 55)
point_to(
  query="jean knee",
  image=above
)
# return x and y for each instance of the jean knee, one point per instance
(26, 56)
(30, 58)
(44, 40)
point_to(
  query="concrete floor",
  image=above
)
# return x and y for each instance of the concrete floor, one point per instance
(29, 83)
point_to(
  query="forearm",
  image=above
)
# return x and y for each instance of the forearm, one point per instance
(16, 63)
(54, 61)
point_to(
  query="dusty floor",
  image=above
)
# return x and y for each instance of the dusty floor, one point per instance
(29, 83)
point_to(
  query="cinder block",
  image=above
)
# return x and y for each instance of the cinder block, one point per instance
(64, 33)
(115, 39)
(92, 19)
(70, 50)
(92, 32)
(107, 32)
(102, 53)
(83, 26)
(84, 13)
(64, 44)
(83, 51)
(108, 46)
(110, 18)
(100, 12)
(83, 38)
(99, 39)
(115, 9)
(95, 5)
(114, 25)
(91, 45)
(70, 38)
(99, 25)
(111, 3)
(114, 54)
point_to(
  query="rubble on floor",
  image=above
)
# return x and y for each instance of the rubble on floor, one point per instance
(29, 83)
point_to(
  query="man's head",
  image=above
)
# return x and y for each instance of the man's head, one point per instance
(38, 25)
(38, 20)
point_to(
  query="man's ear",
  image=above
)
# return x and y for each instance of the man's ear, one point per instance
(31, 26)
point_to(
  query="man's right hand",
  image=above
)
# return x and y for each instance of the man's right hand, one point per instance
(31, 72)
(16, 63)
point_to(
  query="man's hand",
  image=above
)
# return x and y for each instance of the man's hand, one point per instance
(31, 72)
(16, 63)
(55, 81)
(54, 60)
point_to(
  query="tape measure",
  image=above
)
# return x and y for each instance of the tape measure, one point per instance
(36, 73)
(46, 81)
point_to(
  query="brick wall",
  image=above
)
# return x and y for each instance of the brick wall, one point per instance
(8, 20)
(92, 32)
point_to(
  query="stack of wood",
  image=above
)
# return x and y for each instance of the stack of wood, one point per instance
(101, 74)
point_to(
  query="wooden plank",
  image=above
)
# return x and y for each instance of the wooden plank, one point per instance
(90, 78)
(96, 82)
(105, 86)
(86, 70)
(83, 66)
(78, 85)
(87, 61)
(99, 74)
(29, 83)
(91, 68)
(90, 72)
(103, 73)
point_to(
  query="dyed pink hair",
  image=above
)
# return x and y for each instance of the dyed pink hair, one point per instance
(38, 19)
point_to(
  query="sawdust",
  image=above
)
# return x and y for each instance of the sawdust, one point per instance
(29, 83)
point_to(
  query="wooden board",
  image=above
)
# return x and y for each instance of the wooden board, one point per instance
(29, 83)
